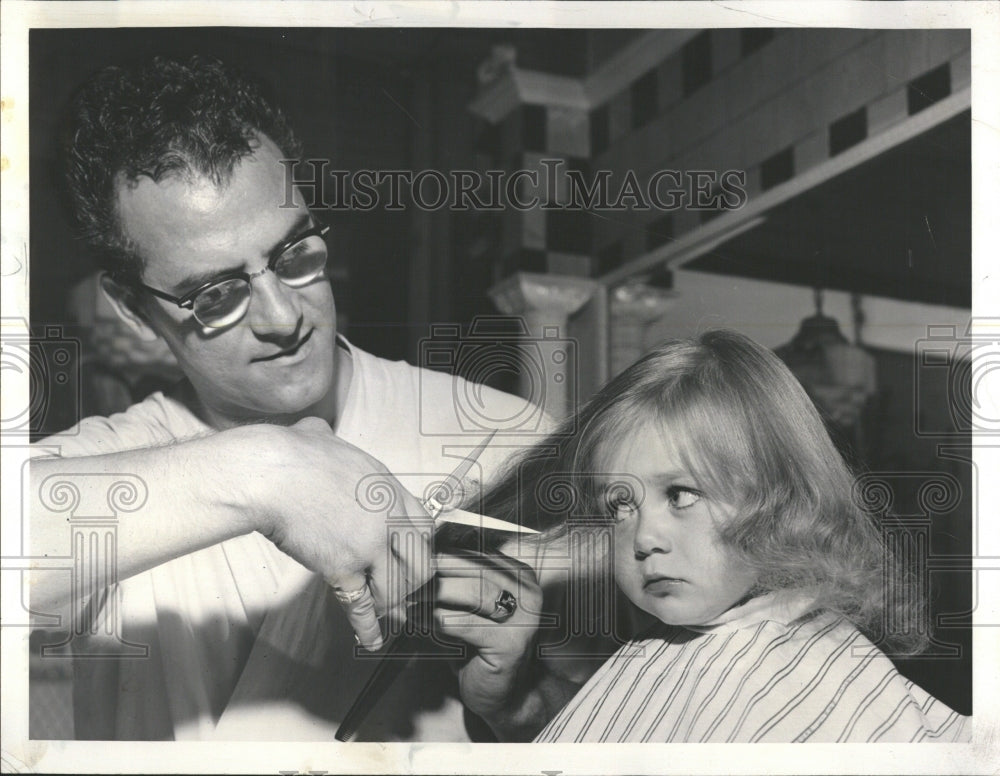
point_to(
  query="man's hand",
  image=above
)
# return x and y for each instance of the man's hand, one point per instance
(297, 485)
(372, 554)
(495, 679)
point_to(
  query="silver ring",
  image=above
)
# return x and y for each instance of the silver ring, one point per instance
(504, 607)
(348, 597)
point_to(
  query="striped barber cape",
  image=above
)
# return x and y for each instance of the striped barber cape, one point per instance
(755, 674)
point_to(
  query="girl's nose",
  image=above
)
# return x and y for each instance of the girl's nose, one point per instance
(650, 535)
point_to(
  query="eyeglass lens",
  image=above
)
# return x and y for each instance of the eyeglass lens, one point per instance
(225, 303)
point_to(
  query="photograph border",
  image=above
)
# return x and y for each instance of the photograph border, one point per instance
(20, 754)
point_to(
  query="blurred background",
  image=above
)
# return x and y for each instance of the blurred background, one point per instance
(846, 248)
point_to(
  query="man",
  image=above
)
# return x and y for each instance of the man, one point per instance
(267, 470)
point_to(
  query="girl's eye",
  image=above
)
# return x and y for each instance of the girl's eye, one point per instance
(681, 497)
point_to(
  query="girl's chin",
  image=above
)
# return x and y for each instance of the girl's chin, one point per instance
(678, 617)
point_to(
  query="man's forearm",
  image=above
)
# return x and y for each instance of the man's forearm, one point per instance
(542, 694)
(193, 494)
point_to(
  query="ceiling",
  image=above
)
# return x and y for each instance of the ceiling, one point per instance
(570, 52)
(897, 226)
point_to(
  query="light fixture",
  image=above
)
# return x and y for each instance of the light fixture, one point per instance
(840, 377)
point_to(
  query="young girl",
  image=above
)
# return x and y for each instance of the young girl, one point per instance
(742, 539)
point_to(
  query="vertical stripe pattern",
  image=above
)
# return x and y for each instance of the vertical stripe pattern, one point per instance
(770, 681)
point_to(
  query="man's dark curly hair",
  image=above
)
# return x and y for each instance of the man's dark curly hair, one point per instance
(160, 119)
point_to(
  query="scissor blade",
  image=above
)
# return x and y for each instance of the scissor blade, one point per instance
(463, 468)
(461, 517)
(441, 495)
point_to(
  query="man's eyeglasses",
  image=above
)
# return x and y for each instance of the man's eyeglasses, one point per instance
(224, 300)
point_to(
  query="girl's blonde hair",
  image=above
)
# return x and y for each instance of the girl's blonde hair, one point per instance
(747, 432)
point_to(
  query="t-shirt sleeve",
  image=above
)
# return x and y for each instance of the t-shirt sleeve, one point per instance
(155, 421)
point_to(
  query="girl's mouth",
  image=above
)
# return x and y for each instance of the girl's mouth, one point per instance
(661, 585)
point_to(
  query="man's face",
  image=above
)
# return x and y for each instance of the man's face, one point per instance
(278, 361)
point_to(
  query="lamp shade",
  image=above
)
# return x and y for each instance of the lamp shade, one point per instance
(838, 376)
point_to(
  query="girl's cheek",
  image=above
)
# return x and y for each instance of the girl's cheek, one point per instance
(623, 538)
(626, 569)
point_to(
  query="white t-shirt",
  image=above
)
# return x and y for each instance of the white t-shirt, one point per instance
(244, 642)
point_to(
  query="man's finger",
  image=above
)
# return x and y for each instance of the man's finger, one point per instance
(477, 632)
(475, 595)
(315, 425)
(454, 561)
(392, 584)
(361, 615)
(359, 606)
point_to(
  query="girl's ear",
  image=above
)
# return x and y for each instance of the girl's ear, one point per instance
(128, 307)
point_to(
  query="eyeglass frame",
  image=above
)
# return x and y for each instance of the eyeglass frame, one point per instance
(186, 302)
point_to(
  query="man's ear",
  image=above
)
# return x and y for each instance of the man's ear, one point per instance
(123, 300)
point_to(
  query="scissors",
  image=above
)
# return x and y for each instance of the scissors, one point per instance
(435, 503)
(393, 662)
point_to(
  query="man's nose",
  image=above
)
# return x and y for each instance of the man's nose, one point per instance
(274, 306)
(650, 535)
